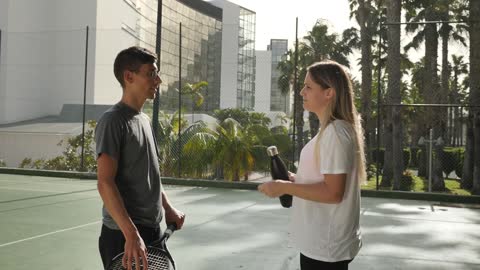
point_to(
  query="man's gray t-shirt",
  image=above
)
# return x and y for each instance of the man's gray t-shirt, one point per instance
(126, 135)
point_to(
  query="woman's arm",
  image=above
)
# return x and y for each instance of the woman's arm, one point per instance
(331, 190)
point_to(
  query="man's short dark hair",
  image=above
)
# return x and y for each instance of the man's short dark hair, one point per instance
(131, 59)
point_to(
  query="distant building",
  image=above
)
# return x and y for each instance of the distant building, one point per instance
(238, 56)
(263, 75)
(279, 101)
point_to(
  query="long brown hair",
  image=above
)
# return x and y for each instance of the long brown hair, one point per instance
(330, 74)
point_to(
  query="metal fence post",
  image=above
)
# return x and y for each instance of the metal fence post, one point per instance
(82, 160)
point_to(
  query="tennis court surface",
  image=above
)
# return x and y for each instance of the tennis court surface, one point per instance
(53, 223)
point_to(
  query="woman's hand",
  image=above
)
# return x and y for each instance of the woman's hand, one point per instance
(291, 176)
(274, 188)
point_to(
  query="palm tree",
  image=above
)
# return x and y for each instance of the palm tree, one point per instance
(429, 11)
(286, 81)
(365, 13)
(320, 45)
(168, 143)
(394, 121)
(473, 149)
(194, 91)
(233, 150)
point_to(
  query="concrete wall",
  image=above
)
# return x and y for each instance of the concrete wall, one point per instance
(43, 56)
(17, 146)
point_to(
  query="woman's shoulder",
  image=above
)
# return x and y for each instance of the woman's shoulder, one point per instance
(340, 129)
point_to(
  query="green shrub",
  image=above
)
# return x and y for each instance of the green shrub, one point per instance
(408, 182)
(2, 163)
(371, 171)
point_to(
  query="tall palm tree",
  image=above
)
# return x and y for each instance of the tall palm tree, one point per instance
(287, 68)
(365, 13)
(320, 45)
(428, 10)
(475, 92)
(394, 80)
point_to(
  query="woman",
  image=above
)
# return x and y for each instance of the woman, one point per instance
(326, 189)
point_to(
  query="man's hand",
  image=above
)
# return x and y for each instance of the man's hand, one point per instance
(273, 188)
(135, 250)
(173, 215)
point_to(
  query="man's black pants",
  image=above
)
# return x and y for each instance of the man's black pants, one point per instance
(307, 263)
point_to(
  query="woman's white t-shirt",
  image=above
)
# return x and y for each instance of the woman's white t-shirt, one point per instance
(321, 231)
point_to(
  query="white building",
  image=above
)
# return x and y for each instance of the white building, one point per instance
(43, 60)
(238, 56)
(263, 74)
(43, 48)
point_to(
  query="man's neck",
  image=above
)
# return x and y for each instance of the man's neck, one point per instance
(132, 101)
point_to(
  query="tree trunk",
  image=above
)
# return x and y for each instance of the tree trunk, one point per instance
(387, 173)
(467, 170)
(476, 155)
(432, 88)
(298, 123)
(475, 89)
(366, 64)
(394, 80)
(314, 124)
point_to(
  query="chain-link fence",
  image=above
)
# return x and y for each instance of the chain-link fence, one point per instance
(221, 102)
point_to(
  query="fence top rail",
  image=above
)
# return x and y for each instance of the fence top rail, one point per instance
(430, 105)
(426, 22)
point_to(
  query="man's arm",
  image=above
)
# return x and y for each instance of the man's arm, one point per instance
(172, 215)
(134, 246)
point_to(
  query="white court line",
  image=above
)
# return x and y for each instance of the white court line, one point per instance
(50, 233)
(27, 189)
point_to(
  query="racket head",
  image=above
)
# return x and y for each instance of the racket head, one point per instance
(157, 259)
(158, 255)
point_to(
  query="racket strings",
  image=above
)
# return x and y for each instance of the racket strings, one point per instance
(157, 260)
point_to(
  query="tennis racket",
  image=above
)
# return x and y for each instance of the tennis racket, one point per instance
(158, 256)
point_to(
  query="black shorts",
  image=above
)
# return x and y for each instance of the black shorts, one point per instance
(112, 242)
(307, 263)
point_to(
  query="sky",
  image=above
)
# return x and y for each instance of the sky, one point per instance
(275, 19)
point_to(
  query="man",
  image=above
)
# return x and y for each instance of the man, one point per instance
(128, 170)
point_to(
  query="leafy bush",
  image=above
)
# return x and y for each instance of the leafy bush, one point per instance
(408, 182)
(2, 163)
(371, 171)
(71, 158)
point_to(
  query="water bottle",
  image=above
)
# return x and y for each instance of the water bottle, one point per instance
(279, 171)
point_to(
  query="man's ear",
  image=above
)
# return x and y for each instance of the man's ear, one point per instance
(128, 76)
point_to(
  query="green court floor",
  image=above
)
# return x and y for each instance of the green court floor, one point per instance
(53, 223)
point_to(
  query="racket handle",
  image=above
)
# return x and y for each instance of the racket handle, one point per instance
(172, 226)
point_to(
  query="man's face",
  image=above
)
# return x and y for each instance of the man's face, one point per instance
(145, 81)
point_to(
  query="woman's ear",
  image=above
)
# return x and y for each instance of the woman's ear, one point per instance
(330, 94)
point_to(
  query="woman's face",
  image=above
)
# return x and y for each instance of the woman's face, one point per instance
(315, 97)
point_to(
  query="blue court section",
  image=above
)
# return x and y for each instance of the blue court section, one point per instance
(53, 223)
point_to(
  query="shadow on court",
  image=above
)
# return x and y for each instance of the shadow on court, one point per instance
(53, 223)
